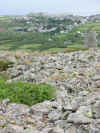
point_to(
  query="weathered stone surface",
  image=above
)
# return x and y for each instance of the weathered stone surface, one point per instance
(78, 118)
(96, 109)
(71, 130)
(76, 108)
(56, 130)
(54, 115)
(41, 108)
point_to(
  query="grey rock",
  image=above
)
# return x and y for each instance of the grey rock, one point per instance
(17, 108)
(54, 115)
(76, 106)
(5, 101)
(96, 78)
(84, 93)
(56, 130)
(41, 108)
(86, 111)
(78, 118)
(71, 130)
(31, 130)
(12, 129)
(96, 110)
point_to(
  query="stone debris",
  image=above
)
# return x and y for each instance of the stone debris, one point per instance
(76, 108)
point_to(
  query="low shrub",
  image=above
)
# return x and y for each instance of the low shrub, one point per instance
(26, 93)
(4, 65)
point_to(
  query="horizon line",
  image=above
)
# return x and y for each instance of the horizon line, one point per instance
(53, 13)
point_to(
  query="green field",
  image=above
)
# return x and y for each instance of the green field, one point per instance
(93, 26)
(35, 41)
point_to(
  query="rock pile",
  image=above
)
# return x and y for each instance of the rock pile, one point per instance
(76, 108)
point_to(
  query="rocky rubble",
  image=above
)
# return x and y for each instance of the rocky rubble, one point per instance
(76, 108)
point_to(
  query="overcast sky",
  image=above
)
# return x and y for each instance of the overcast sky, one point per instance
(80, 7)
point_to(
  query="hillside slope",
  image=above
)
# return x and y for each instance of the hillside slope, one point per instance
(39, 32)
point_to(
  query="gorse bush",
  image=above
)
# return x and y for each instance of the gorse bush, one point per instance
(26, 93)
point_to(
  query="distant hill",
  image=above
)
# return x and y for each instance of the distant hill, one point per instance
(39, 32)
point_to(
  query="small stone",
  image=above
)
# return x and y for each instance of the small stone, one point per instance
(54, 115)
(6, 101)
(56, 130)
(96, 78)
(71, 130)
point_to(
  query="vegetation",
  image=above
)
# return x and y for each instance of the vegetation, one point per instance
(11, 39)
(26, 93)
(4, 65)
(54, 41)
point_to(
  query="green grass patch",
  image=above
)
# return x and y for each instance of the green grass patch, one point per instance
(35, 41)
(26, 93)
(4, 76)
(85, 27)
(69, 49)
